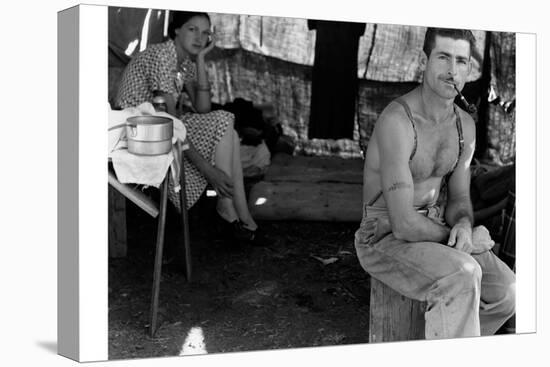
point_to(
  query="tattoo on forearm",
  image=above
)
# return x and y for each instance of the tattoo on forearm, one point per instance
(398, 186)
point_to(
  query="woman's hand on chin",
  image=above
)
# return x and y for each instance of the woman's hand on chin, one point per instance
(209, 46)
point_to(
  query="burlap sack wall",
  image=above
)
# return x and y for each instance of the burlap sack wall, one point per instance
(269, 59)
(501, 126)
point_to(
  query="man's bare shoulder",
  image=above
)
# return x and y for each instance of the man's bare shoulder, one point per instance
(393, 117)
(393, 133)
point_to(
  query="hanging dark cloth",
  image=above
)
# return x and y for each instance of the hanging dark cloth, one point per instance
(334, 82)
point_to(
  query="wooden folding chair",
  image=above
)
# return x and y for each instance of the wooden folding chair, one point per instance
(159, 210)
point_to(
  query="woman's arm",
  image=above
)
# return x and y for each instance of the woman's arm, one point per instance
(199, 92)
(202, 88)
(169, 100)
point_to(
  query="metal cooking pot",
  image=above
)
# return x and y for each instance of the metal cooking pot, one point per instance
(149, 135)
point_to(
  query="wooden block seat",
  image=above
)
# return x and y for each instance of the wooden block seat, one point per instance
(394, 317)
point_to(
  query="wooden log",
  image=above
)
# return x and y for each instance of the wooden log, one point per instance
(394, 317)
(117, 224)
(285, 167)
(335, 202)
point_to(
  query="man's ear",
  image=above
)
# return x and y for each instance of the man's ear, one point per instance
(423, 61)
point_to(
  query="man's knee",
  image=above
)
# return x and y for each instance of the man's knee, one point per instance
(470, 273)
(509, 299)
(465, 275)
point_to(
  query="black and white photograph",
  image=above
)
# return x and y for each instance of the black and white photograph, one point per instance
(245, 183)
(279, 183)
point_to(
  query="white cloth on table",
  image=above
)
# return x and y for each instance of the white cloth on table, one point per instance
(143, 170)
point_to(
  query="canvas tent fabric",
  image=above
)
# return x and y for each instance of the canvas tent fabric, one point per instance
(126, 27)
(501, 125)
(396, 49)
(130, 30)
(395, 52)
(268, 60)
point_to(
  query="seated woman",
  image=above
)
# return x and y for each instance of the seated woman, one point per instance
(167, 69)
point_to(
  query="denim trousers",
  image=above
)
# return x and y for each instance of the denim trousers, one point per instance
(466, 295)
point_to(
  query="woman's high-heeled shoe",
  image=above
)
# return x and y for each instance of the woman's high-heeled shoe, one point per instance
(225, 227)
(255, 237)
(240, 234)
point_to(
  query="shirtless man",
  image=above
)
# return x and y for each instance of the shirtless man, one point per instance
(417, 243)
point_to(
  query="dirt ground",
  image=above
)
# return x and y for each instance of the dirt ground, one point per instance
(305, 289)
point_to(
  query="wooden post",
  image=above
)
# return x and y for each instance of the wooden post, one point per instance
(394, 317)
(117, 224)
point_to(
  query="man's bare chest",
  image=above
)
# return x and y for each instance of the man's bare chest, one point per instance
(436, 152)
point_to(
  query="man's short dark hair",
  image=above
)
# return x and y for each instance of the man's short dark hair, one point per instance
(456, 34)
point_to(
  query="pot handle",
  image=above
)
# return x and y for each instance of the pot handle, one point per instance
(133, 129)
(117, 126)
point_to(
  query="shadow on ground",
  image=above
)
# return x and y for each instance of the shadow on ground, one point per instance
(50, 346)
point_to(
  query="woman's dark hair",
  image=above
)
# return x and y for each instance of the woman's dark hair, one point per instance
(179, 18)
(456, 34)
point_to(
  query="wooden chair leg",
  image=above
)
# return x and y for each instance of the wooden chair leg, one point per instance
(158, 256)
(117, 224)
(185, 221)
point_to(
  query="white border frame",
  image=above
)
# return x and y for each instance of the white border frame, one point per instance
(93, 197)
(93, 90)
(35, 293)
